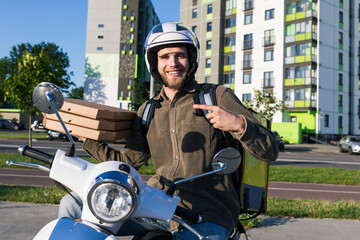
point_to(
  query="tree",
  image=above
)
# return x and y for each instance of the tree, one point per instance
(77, 93)
(30, 65)
(141, 94)
(265, 103)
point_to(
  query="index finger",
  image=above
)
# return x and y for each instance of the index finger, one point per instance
(204, 107)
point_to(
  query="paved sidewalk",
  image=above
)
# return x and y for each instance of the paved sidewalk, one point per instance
(24, 220)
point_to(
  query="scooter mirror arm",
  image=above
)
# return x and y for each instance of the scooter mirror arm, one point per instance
(172, 188)
(71, 150)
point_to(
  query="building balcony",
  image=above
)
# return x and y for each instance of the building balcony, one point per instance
(300, 59)
(247, 44)
(300, 81)
(247, 64)
(268, 41)
(301, 37)
(301, 103)
(268, 82)
(301, 15)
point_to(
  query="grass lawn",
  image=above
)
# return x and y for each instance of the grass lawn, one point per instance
(22, 134)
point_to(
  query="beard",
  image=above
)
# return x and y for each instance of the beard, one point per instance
(175, 83)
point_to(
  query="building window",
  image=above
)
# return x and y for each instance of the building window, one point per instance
(248, 4)
(290, 73)
(268, 55)
(248, 19)
(340, 58)
(299, 94)
(269, 14)
(246, 97)
(194, 13)
(230, 22)
(129, 82)
(123, 47)
(247, 60)
(229, 59)
(340, 121)
(299, 72)
(246, 78)
(326, 120)
(132, 13)
(289, 95)
(125, 2)
(207, 79)
(248, 40)
(194, 2)
(132, 36)
(129, 94)
(269, 37)
(100, 37)
(229, 78)
(209, 8)
(131, 47)
(268, 79)
(341, 17)
(208, 44)
(99, 48)
(341, 79)
(209, 27)
(194, 28)
(230, 41)
(341, 40)
(340, 104)
(208, 63)
(292, 118)
(100, 25)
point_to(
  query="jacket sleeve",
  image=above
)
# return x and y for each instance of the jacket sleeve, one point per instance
(256, 139)
(134, 153)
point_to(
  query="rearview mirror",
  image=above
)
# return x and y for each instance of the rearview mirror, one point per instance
(229, 156)
(41, 95)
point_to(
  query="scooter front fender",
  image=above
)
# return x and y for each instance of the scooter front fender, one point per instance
(71, 229)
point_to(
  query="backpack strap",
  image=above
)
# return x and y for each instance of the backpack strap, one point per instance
(205, 94)
(147, 116)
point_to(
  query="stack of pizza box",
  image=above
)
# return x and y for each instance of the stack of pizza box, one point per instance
(92, 120)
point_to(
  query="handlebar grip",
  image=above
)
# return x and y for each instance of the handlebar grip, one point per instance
(188, 215)
(36, 154)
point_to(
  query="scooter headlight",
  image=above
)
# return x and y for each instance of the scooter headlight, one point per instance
(111, 200)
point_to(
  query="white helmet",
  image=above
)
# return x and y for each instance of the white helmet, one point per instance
(169, 34)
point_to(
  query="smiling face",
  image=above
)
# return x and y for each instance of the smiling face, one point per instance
(173, 65)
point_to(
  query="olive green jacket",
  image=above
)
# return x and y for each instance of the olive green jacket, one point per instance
(182, 145)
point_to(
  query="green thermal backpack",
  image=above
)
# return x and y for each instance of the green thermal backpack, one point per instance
(251, 178)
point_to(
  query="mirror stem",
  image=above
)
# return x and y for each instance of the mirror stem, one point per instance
(71, 150)
(170, 192)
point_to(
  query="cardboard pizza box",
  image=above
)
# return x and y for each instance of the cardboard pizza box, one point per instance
(95, 124)
(78, 131)
(96, 110)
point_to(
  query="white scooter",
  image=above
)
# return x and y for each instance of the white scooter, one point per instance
(112, 192)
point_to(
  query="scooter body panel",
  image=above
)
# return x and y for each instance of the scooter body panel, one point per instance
(70, 229)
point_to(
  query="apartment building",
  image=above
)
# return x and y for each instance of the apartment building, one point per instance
(116, 32)
(306, 52)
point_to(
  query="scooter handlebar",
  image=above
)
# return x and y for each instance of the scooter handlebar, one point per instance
(188, 215)
(36, 154)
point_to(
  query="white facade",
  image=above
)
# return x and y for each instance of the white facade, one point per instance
(259, 66)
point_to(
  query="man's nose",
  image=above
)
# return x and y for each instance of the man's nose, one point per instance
(173, 61)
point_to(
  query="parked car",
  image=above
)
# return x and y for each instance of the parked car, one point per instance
(51, 135)
(279, 141)
(10, 124)
(350, 144)
(37, 126)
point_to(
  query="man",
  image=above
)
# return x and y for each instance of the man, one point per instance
(182, 144)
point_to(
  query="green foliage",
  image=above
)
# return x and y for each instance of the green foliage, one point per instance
(265, 103)
(29, 65)
(77, 93)
(141, 94)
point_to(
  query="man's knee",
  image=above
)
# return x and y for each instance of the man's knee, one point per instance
(69, 207)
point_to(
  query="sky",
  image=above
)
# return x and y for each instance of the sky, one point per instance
(62, 22)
